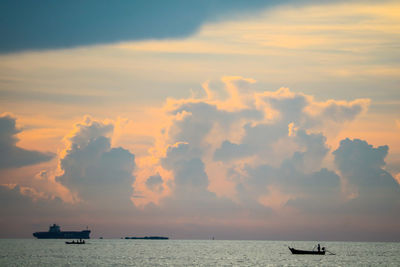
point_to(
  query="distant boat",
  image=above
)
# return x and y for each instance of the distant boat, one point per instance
(80, 242)
(55, 232)
(309, 252)
(148, 237)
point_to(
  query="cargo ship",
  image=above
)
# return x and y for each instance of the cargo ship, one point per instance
(56, 233)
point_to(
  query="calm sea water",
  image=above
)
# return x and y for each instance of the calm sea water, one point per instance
(117, 252)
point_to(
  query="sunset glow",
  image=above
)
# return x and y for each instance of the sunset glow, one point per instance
(247, 122)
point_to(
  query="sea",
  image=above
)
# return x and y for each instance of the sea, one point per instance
(121, 252)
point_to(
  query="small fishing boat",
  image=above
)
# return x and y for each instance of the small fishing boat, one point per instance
(309, 252)
(80, 242)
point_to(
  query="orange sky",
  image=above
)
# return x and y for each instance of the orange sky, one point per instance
(248, 115)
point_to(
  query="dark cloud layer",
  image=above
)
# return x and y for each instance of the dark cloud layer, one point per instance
(27, 24)
(12, 156)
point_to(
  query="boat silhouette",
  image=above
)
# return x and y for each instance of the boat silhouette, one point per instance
(78, 242)
(148, 237)
(307, 252)
(56, 233)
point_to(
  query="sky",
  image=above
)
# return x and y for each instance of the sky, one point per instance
(266, 120)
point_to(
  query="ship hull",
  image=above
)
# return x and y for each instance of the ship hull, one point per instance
(63, 235)
(306, 252)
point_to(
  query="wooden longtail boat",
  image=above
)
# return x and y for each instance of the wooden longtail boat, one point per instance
(309, 252)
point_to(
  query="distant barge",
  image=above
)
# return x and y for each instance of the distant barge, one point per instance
(148, 237)
(56, 233)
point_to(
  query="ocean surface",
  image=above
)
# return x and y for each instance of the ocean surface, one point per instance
(120, 252)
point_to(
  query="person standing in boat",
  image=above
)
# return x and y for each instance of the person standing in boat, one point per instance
(319, 247)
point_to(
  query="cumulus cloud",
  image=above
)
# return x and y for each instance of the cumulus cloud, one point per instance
(194, 120)
(300, 177)
(95, 170)
(12, 156)
(284, 111)
(361, 165)
(262, 160)
(314, 149)
(253, 142)
(339, 111)
(92, 177)
(270, 150)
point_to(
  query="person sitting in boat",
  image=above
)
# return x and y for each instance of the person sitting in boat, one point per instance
(319, 248)
(323, 249)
